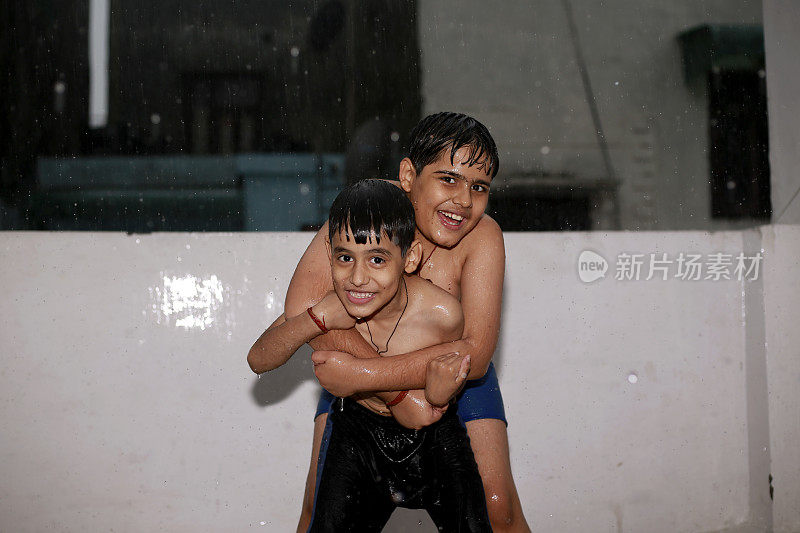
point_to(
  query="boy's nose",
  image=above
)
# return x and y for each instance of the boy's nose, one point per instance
(463, 197)
(358, 276)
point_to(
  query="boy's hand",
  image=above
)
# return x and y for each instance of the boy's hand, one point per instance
(445, 376)
(337, 372)
(331, 311)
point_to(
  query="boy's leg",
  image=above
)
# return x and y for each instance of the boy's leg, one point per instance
(456, 498)
(320, 419)
(480, 406)
(349, 494)
(311, 480)
(489, 440)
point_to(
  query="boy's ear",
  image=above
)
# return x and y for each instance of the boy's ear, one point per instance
(407, 174)
(413, 256)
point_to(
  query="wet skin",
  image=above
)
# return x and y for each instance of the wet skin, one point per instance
(367, 277)
(449, 198)
(468, 261)
(398, 313)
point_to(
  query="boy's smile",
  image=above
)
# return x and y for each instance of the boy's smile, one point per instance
(360, 298)
(449, 198)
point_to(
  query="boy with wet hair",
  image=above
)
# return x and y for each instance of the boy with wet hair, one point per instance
(369, 463)
(450, 132)
(451, 162)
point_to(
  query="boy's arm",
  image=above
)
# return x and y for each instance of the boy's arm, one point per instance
(416, 410)
(280, 341)
(481, 301)
(445, 374)
(285, 336)
(445, 377)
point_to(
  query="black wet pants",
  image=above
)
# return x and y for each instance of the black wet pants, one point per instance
(369, 464)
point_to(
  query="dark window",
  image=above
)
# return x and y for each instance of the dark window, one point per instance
(223, 113)
(738, 152)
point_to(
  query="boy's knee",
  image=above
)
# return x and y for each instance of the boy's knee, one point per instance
(503, 514)
(501, 511)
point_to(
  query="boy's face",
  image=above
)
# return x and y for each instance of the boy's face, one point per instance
(449, 198)
(366, 277)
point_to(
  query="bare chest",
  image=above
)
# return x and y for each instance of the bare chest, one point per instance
(413, 332)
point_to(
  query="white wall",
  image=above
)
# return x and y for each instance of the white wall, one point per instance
(782, 308)
(126, 401)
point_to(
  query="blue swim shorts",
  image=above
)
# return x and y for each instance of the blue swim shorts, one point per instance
(481, 398)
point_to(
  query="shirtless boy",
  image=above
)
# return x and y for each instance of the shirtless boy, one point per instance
(369, 463)
(447, 174)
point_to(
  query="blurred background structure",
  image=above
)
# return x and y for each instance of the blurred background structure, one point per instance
(656, 405)
(147, 116)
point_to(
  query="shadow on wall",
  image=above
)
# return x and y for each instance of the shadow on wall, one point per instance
(273, 387)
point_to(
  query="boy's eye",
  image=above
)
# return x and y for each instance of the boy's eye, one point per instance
(344, 258)
(480, 188)
(448, 179)
(378, 260)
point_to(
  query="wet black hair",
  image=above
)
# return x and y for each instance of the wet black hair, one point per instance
(436, 133)
(369, 207)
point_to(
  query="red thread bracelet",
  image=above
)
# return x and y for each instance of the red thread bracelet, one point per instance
(398, 399)
(320, 323)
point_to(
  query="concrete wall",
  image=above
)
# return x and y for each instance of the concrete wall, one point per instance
(781, 18)
(127, 404)
(515, 69)
(782, 309)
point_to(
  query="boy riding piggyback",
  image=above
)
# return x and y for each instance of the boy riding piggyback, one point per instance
(371, 461)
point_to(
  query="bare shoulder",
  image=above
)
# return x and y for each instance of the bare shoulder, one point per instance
(485, 239)
(311, 278)
(487, 227)
(436, 307)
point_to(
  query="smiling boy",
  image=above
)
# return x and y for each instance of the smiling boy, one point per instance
(369, 463)
(451, 162)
